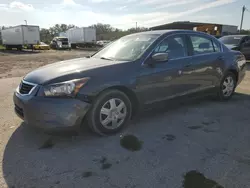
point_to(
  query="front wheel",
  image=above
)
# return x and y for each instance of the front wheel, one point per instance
(110, 112)
(227, 86)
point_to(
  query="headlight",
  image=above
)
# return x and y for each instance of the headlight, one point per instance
(69, 88)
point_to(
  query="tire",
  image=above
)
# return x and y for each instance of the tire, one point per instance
(112, 119)
(8, 48)
(224, 95)
(73, 46)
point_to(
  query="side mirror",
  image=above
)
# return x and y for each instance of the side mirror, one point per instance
(160, 57)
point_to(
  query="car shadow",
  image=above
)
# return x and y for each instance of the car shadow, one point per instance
(29, 153)
(17, 52)
(27, 146)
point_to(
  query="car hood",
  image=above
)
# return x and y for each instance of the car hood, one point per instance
(65, 70)
(231, 46)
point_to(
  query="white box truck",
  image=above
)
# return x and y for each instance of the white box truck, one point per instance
(18, 36)
(84, 37)
(229, 29)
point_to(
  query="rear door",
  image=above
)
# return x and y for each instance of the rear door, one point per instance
(204, 69)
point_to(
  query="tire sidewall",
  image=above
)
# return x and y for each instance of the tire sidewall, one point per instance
(221, 95)
(94, 117)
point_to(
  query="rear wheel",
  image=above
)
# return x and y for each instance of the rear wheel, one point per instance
(227, 86)
(111, 111)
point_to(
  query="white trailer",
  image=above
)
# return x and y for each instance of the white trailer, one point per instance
(16, 37)
(229, 29)
(84, 36)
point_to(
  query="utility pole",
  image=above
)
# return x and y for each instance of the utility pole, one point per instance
(242, 17)
(25, 21)
(136, 26)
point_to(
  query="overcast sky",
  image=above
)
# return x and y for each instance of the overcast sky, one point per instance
(121, 13)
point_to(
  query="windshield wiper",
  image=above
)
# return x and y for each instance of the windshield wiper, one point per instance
(107, 58)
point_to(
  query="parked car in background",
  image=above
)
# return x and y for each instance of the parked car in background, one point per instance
(238, 42)
(217, 36)
(136, 71)
(103, 42)
(41, 46)
(59, 43)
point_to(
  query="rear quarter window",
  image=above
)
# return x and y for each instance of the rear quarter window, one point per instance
(202, 45)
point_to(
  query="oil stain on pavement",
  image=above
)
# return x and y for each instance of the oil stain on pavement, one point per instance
(195, 179)
(106, 166)
(104, 163)
(195, 127)
(87, 174)
(131, 142)
(169, 137)
(47, 144)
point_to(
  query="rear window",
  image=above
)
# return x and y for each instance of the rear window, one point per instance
(201, 45)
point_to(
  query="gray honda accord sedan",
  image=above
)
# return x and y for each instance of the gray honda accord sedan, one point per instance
(137, 70)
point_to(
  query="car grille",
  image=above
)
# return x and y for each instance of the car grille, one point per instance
(65, 43)
(25, 88)
(19, 111)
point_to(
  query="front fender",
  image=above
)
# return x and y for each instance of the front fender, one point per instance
(88, 92)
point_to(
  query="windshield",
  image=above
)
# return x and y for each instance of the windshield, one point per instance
(42, 43)
(63, 39)
(128, 48)
(233, 40)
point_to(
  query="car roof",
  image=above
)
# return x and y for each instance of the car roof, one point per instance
(235, 36)
(163, 32)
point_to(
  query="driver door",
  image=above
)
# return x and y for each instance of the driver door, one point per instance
(164, 80)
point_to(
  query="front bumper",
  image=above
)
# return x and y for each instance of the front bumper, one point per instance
(50, 113)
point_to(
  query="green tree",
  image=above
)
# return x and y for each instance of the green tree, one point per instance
(58, 28)
(102, 28)
(45, 35)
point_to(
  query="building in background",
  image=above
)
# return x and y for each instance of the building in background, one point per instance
(213, 29)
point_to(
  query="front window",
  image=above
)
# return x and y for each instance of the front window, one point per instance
(230, 40)
(128, 48)
(174, 46)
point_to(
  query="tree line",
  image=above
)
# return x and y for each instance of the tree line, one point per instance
(103, 31)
